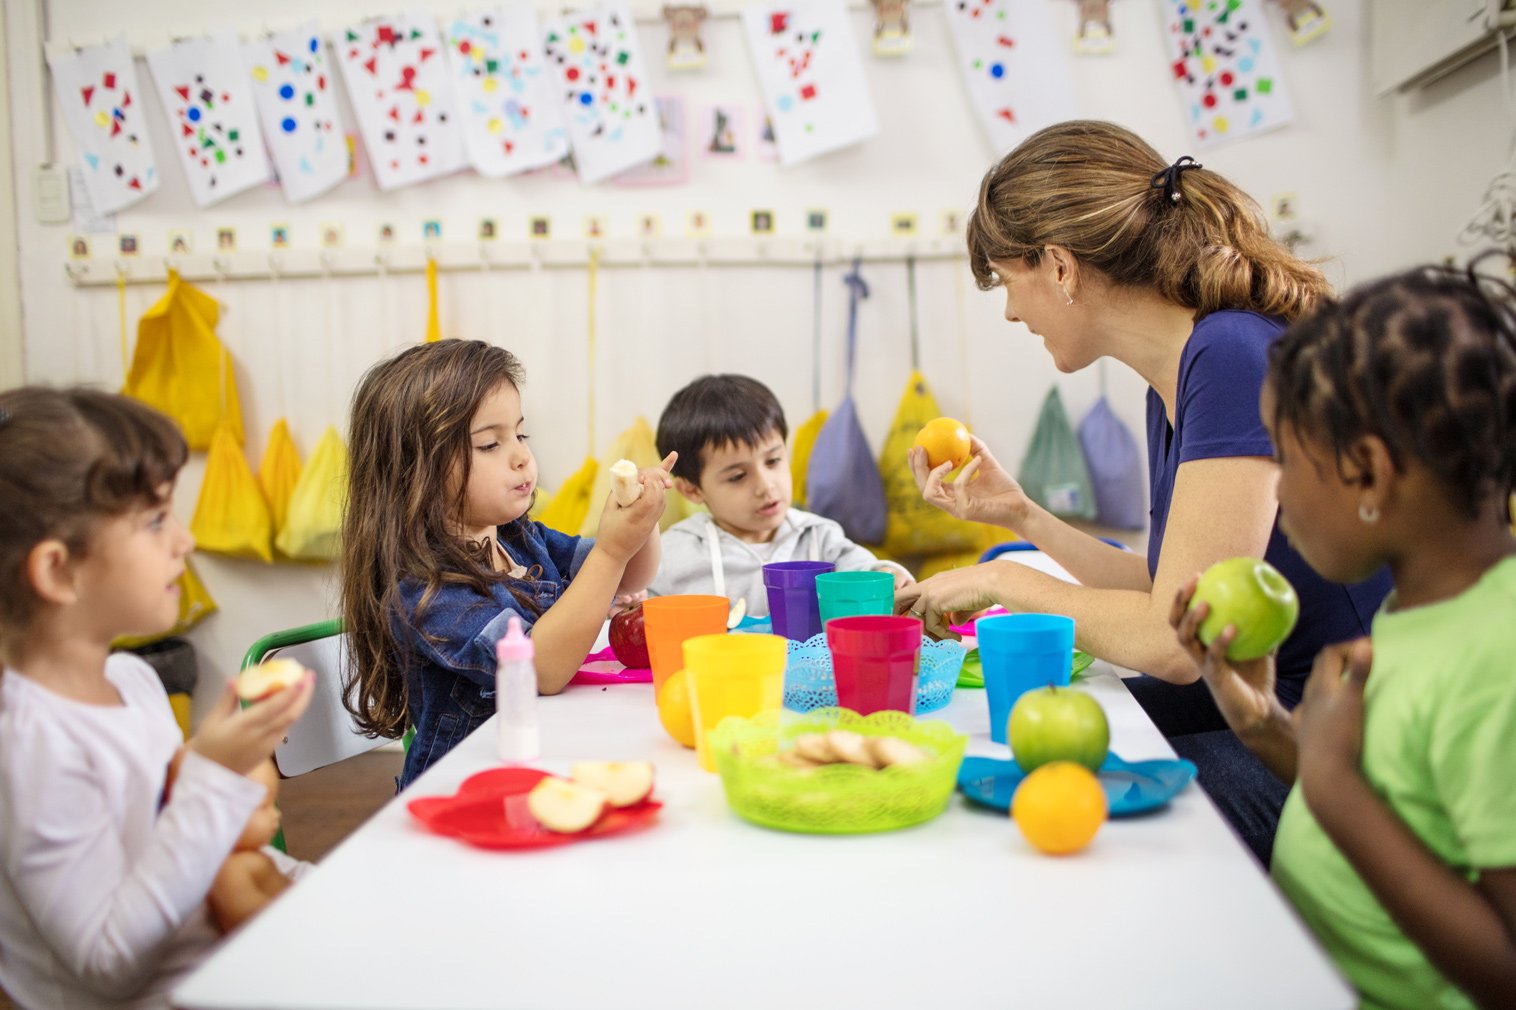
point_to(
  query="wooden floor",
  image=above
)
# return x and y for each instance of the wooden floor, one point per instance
(323, 807)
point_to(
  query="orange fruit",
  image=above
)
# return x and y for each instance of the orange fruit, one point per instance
(945, 439)
(674, 709)
(1059, 807)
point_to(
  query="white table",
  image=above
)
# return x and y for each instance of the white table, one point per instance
(707, 912)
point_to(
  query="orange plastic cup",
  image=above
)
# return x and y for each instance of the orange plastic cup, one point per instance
(668, 620)
(739, 675)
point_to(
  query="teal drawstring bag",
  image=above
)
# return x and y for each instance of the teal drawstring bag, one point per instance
(842, 481)
(1054, 473)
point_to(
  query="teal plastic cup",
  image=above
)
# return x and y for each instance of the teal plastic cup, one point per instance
(855, 594)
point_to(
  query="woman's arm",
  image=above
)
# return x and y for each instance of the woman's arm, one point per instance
(1468, 931)
(1222, 508)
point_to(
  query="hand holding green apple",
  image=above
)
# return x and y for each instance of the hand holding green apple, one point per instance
(1251, 596)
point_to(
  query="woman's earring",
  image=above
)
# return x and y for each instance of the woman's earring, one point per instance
(1068, 298)
(1368, 513)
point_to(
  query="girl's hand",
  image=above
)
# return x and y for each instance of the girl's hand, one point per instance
(941, 599)
(983, 493)
(623, 530)
(903, 578)
(240, 739)
(626, 601)
(1329, 719)
(1244, 690)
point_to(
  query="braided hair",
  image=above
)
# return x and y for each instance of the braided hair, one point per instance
(1424, 360)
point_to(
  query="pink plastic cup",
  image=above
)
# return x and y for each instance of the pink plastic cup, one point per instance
(876, 662)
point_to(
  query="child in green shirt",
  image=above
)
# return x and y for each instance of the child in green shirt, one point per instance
(1393, 415)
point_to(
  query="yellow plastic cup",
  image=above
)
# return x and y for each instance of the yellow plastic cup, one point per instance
(739, 675)
(668, 620)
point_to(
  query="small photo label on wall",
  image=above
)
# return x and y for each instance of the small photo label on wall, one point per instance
(331, 236)
(648, 226)
(698, 224)
(179, 243)
(815, 220)
(594, 226)
(540, 227)
(952, 222)
(386, 234)
(487, 231)
(903, 225)
(279, 236)
(127, 244)
(226, 239)
(431, 229)
(763, 222)
(79, 248)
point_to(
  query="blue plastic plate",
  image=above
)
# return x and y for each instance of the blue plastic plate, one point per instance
(1131, 787)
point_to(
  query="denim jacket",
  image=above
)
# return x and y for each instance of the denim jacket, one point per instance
(451, 681)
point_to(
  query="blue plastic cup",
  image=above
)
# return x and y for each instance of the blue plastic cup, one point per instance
(791, 589)
(1021, 652)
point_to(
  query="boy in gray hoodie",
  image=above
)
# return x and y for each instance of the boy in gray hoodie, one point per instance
(730, 434)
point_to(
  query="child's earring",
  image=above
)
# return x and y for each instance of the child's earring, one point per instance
(1368, 513)
(1068, 298)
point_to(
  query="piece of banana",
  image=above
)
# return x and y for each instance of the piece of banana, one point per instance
(624, 483)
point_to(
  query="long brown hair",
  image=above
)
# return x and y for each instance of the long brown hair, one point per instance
(409, 461)
(70, 458)
(1088, 186)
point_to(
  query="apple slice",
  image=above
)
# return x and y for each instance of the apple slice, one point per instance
(625, 783)
(624, 483)
(566, 807)
(259, 682)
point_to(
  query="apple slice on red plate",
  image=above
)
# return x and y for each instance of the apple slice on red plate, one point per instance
(624, 783)
(491, 811)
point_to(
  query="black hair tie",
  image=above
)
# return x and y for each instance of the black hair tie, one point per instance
(1168, 179)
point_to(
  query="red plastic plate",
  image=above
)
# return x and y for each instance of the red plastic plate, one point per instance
(489, 810)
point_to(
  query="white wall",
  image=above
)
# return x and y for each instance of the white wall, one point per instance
(1380, 183)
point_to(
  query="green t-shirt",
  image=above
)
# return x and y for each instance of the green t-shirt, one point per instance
(1439, 747)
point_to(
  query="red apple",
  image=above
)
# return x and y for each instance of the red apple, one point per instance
(629, 639)
(1058, 724)
(566, 807)
(259, 682)
(625, 783)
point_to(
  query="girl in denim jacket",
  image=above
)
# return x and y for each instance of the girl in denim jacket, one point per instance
(438, 552)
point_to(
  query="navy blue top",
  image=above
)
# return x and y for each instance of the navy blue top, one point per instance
(448, 653)
(1221, 373)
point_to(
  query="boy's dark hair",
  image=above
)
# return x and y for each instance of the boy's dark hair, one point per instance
(1426, 361)
(713, 411)
(68, 459)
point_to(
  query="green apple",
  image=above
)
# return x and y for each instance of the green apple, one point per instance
(1250, 594)
(1058, 724)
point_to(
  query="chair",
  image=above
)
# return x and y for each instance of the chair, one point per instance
(1026, 545)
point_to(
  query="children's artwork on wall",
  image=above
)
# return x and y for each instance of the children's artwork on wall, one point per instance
(765, 146)
(612, 119)
(1095, 36)
(205, 92)
(686, 51)
(1306, 19)
(810, 75)
(1013, 66)
(102, 106)
(295, 90)
(892, 28)
(720, 131)
(672, 166)
(507, 101)
(399, 85)
(1226, 68)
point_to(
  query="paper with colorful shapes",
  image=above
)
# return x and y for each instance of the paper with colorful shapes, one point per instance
(296, 96)
(1226, 68)
(102, 105)
(402, 93)
(205, 92)
(811, 76)
(1013, 65)
(598, 66)
(507, 103)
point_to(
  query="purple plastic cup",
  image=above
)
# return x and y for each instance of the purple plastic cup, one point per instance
(791, 587)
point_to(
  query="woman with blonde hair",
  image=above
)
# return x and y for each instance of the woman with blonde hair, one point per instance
(1105, 249)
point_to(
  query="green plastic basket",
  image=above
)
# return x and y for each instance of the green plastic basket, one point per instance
(838, 799)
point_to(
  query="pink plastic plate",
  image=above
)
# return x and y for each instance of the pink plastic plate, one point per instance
(967, 627)
(602, 668)
(489, 811)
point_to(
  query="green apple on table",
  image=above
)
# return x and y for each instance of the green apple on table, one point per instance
(1251, 595)
(1058, 724)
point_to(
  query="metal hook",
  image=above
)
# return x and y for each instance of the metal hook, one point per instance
(122, 270)
(381, 264)
(484, 258)
(326, 263)
(75, 271)
(275, 264)
(221, 267)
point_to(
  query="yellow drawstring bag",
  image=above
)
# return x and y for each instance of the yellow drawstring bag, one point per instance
(195, 605)
(800, 456)
(312, 529)
(181, 368)
(566, 510)
(231, 516)
(914, 526)
(433, 320)
(638, 445)
(278, 472)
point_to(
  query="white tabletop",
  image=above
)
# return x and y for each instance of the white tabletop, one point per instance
(706, 912)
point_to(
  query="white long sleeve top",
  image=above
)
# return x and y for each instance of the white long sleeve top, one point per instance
(102, 894)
